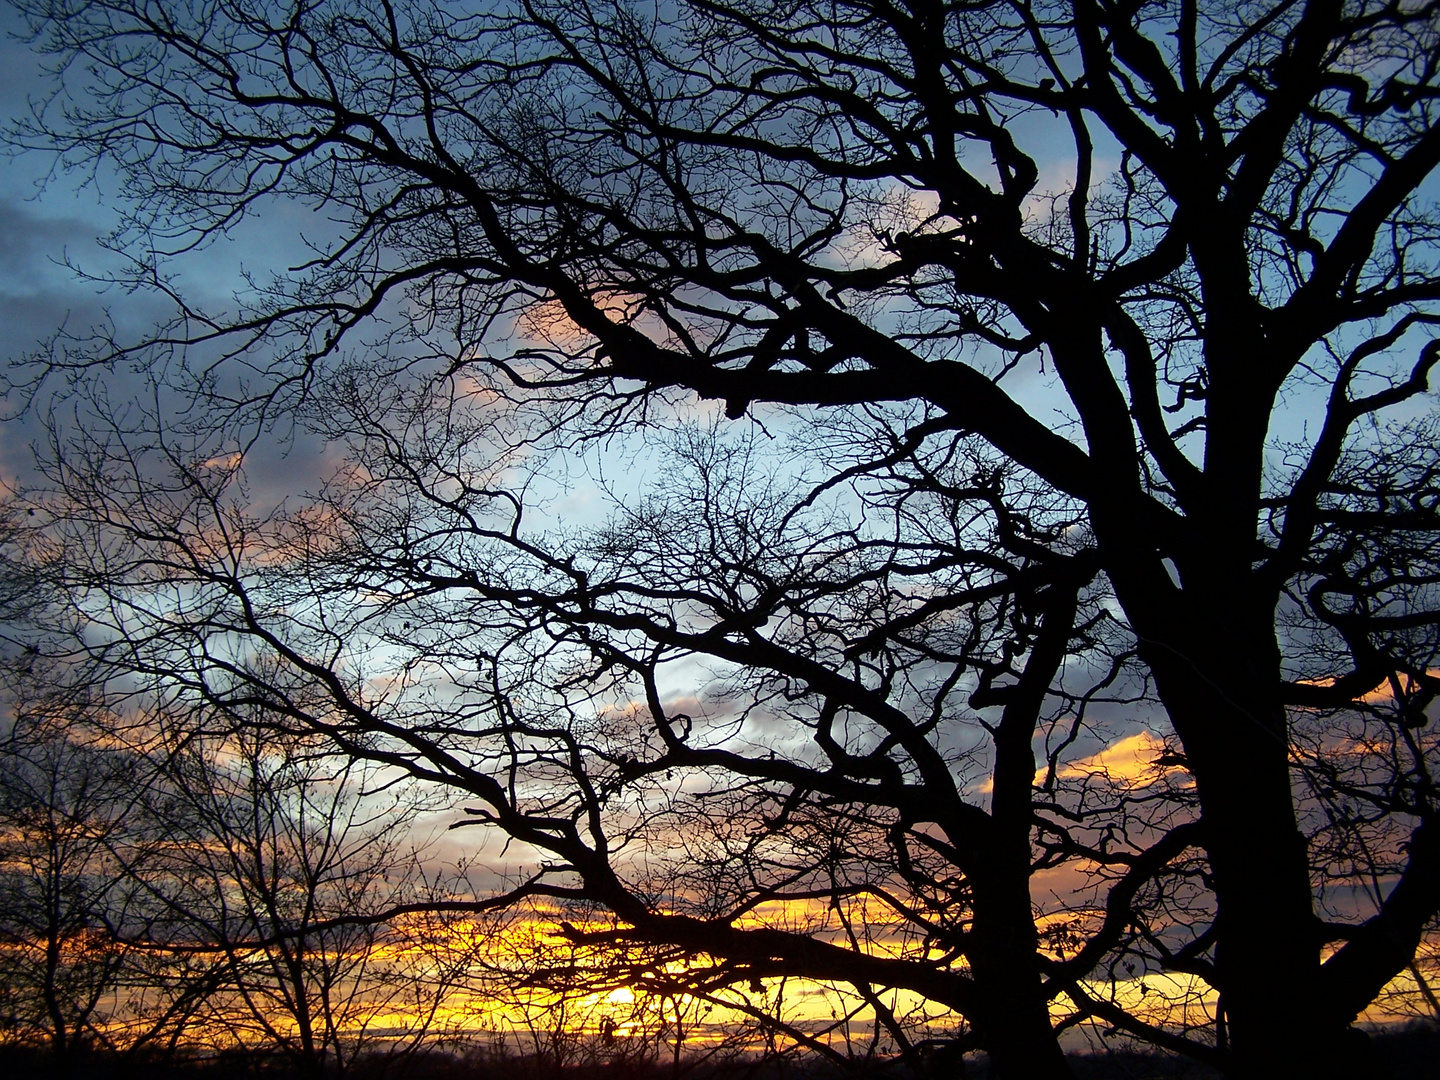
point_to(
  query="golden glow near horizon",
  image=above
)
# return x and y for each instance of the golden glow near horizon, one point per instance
(501, 996)
(524, 1018)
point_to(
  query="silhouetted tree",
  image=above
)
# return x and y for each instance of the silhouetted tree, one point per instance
(1094, 339)
(63, 812)
(293, 878)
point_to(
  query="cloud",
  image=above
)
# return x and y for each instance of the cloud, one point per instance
(1384, 692)
(1134, 759)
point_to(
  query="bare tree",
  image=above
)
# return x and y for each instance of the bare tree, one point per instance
(64, 810)
(1032, 294)
(293, 878)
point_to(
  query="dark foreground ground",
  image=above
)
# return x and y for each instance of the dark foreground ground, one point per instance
(1412, 1052)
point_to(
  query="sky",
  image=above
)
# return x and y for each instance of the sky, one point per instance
(49, 220)
(53, 223)
(46, 218)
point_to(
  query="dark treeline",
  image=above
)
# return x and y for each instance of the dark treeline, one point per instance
(1408, 1051)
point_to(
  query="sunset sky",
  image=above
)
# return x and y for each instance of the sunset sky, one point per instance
(572, 694)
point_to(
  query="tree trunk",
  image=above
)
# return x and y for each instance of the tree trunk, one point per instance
(1013, 1023)
(1221, 692)
(1013, 1026)
(59, 1026)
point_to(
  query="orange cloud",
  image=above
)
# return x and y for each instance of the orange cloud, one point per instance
(1132, 760)
(1382, 693)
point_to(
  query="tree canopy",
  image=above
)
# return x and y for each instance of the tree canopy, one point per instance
(980, 389)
